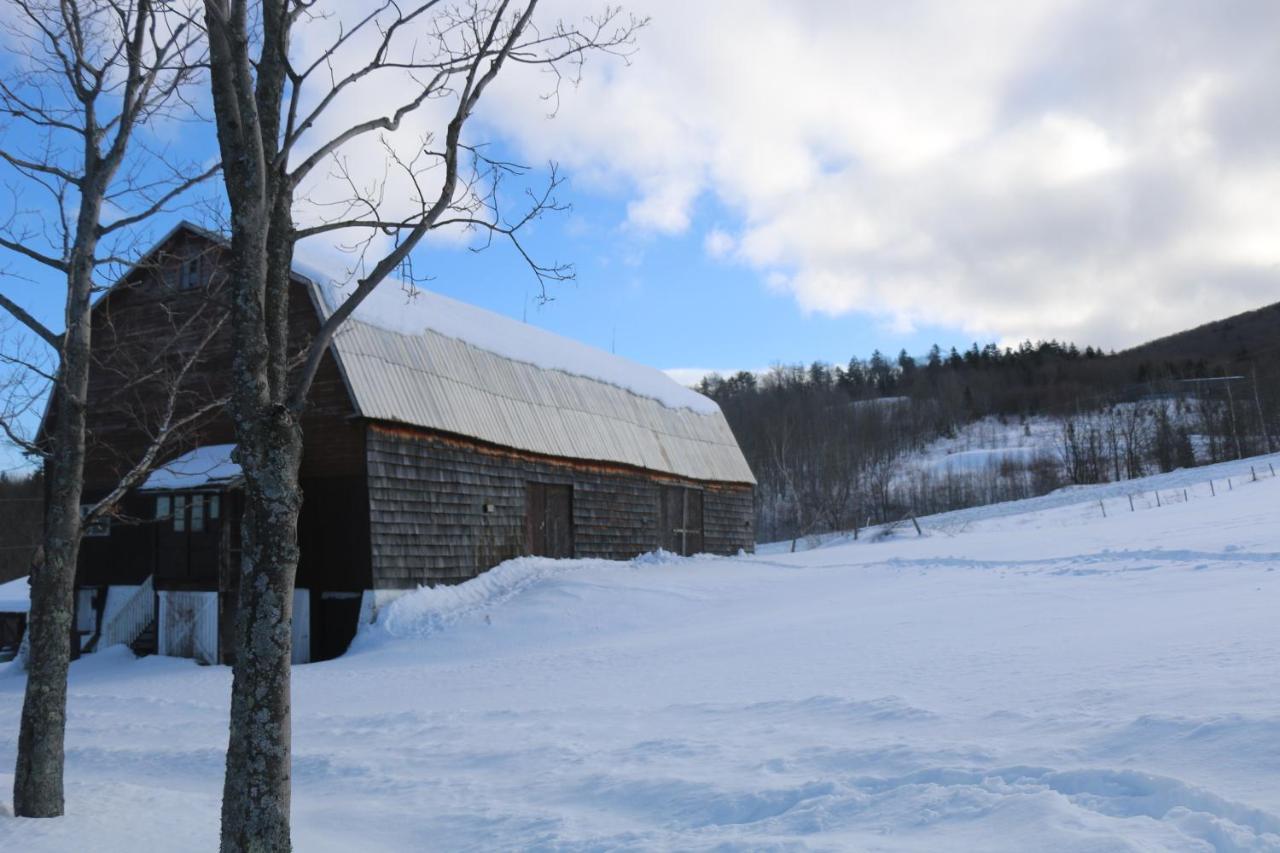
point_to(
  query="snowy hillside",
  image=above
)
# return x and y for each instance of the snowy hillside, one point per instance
(1027, 677)
(987, 441)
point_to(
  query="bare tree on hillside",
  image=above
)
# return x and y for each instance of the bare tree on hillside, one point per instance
(84, 75)
(271, 107)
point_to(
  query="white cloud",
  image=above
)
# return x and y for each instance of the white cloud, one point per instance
(1011, 168)
(691, 376)
(718, 243)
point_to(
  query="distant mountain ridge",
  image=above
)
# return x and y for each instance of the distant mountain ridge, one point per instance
(1233, 340)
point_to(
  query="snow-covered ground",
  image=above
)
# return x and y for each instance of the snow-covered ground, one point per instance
(1037, 678)
(989, 441)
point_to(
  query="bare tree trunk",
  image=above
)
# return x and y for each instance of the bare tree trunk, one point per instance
(256, 788)
(256, 791)
(37, 784)
(100, 70)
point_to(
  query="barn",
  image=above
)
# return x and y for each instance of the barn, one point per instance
(440, 440)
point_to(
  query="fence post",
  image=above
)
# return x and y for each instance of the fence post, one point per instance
(1131, 509)
(1103, 507)
(1158, 498)
(1212, 491)
(1185, 499)
(1230, 488)
(1273, 469)
(1253, 473)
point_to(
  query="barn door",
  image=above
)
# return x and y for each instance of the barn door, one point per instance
(549, 520)
(204, 526)
(693, 521)
(680, 515)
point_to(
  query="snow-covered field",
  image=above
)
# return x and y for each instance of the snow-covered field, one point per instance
(986, 442)
(1027, 678)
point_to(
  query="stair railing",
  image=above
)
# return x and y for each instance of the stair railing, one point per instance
(133, 617)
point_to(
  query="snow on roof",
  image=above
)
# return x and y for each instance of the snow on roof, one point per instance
(437, 363)
(15, 596)
(210, 465)
(397, 308)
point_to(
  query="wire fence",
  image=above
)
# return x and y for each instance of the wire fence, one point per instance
(1159, 498)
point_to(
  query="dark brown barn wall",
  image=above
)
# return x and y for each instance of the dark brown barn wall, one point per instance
(130, 323)
(428, 496)
(137, 316)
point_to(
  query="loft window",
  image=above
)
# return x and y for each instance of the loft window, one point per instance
(189, 274)
(164, 506)
(179, 513)
(100, 526)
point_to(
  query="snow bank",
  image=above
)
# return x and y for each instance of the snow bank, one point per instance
(203, 466)
(429, 610)
(394, 307)
(15, 596)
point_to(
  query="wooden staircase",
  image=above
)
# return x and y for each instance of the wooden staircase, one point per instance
(134, 624)
(145, 643)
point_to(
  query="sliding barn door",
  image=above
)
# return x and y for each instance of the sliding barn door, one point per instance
(680, 517)
(549, 520)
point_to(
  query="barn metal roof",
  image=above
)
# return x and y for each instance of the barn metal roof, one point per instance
(431, 380)
(436, 381)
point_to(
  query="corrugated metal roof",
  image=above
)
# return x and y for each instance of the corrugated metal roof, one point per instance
(434, 381)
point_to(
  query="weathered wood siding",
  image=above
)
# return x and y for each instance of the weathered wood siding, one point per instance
(443, 509)
(146, 323)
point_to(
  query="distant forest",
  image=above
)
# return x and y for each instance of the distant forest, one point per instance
(828, 442)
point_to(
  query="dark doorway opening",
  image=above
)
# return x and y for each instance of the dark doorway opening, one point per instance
(548, 520)
(333, 623)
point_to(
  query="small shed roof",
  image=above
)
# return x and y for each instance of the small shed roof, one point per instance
(422, 359)
(202, 467)
(15, 596)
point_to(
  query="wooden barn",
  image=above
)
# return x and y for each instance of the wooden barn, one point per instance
(440, 440)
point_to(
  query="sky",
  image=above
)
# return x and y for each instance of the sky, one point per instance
(766, 182)
(815, 180)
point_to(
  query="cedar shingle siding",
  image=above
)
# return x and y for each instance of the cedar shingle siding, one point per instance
(428, 497)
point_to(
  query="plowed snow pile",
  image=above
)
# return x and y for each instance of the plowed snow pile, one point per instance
(1039, 680)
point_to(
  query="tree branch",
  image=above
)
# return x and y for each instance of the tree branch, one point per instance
(21, 315)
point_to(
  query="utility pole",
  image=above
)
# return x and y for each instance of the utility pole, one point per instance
(1257, 402)
(1231, 406)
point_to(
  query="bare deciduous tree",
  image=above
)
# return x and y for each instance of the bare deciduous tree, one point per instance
(86, 75)
(274, 110)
